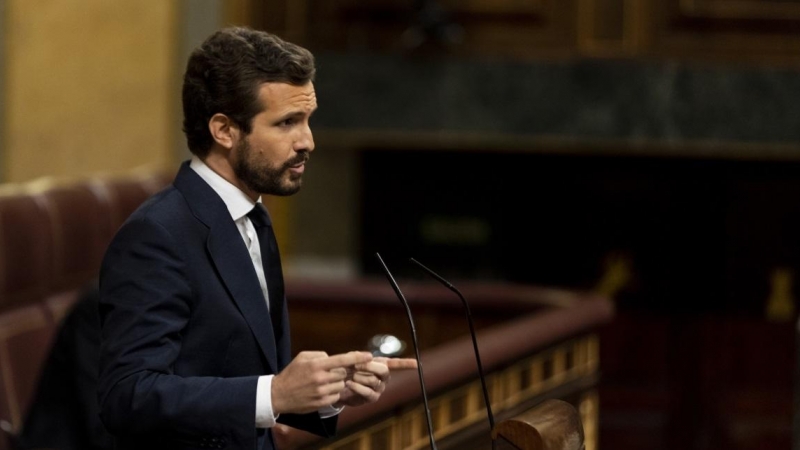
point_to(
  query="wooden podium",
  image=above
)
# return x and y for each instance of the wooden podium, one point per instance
(552, 425)
(539, 350)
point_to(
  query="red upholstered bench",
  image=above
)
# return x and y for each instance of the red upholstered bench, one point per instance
(52, 239)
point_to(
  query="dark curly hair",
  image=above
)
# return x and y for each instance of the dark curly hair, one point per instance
(224, 74)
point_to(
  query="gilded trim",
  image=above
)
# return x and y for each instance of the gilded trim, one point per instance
(460, 408)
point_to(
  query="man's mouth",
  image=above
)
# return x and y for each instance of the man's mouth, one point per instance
(298, 168)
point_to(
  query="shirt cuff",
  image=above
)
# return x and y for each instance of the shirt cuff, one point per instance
(265, 418)
(329, 411)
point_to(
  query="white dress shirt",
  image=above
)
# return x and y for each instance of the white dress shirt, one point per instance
(239, 204)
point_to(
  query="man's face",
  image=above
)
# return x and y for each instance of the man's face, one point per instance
(271, 159)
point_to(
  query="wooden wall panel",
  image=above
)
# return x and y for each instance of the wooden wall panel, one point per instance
(723, 30)
(495, 28)
(742, 9)
(727, 30)
(610, 27)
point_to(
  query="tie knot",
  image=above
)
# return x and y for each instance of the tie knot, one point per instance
(259, 216)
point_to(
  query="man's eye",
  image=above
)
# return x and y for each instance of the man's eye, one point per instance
(287, 122)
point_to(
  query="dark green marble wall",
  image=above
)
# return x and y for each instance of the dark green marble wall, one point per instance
(586, 99)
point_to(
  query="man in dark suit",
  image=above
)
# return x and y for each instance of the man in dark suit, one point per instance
(195, 333)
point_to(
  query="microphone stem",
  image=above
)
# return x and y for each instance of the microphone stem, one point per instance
(421, 383)
(450, 286)
(416, 349)
(477, 359)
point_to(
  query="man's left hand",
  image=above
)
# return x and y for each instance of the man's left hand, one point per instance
(366, 382)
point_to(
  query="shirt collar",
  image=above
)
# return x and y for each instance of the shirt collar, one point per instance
(238, 203)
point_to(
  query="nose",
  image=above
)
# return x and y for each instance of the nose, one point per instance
(305, 141)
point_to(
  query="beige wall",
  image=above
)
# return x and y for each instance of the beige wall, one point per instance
(93, 86)
(89, 86)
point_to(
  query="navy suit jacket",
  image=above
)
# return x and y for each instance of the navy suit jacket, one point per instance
(185, 328)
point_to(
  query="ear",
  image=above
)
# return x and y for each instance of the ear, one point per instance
(223, 130)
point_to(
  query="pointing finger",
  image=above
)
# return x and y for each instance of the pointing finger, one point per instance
(399, 363)
(345, 360)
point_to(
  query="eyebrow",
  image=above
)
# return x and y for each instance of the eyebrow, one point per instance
(294, 114)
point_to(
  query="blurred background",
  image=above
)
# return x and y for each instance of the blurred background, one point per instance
(646, 150)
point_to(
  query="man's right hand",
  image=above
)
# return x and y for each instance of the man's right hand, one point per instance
(312, 380)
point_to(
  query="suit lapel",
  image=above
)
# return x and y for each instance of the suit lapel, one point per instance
(231, 258)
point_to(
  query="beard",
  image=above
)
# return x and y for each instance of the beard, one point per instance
(266, 179)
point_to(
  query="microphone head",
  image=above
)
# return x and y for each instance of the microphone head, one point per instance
(386, 345)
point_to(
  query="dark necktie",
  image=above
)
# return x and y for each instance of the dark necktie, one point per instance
(271, 260)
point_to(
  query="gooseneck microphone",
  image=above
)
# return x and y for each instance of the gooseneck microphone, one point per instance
(416, 347)
(450, 286)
